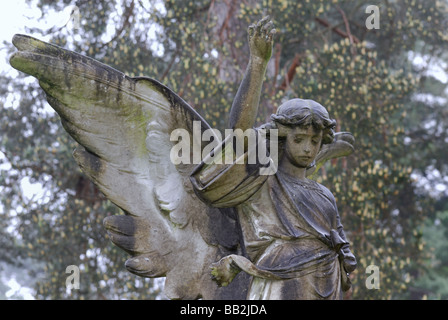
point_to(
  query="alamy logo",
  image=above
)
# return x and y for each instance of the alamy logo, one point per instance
(373, 280)
(74, 18)
(373, 21)
(240, 147)
(72, 281)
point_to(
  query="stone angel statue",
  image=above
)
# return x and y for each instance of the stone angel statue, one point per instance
(215, 231)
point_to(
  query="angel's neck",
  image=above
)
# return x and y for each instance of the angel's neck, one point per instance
(291, 169)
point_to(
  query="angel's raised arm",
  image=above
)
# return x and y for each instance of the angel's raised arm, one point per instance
(245, 105)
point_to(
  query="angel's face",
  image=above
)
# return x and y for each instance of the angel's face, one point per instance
(302, 145)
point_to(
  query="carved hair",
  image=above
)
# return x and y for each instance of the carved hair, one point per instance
(301, 112)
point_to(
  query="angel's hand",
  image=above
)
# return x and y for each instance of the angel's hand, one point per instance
(261, 39)
(342, 146)
(224, 271)
(348, 260)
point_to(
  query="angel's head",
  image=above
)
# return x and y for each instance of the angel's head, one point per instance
(303, 127)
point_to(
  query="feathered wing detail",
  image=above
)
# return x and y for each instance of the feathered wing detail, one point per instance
(123, 126)
(342, 146)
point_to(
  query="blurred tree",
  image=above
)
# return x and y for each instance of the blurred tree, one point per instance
(433, 280)
(64, 227)
(366, 78)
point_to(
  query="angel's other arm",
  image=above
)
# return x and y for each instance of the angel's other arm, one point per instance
(245, 105)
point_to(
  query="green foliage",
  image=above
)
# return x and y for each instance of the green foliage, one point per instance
(433, 280)
(323, 51)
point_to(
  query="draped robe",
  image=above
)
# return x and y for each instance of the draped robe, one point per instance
(291, 229)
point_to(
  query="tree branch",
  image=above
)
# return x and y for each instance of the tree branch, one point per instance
(225, 24)
(127, 15)
(347, 28)
(291, 73)
(336, 30)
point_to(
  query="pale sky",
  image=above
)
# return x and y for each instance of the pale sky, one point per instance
(15, 15)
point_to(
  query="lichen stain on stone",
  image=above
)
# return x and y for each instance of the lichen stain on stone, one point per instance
(88, 160)
(67, 75)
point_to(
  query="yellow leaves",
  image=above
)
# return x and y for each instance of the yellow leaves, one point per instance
(206, 67)
(355, 187)
(283, 4)
(300, 70)
(363, 51)
(320, 10)
(351, 66)
(334, 47)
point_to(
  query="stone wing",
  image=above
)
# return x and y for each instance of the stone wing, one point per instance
(123, 126)
(342, 146)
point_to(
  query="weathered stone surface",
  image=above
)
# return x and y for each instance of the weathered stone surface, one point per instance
(281, 230)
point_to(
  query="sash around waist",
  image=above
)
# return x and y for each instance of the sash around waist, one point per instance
(295, 258)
